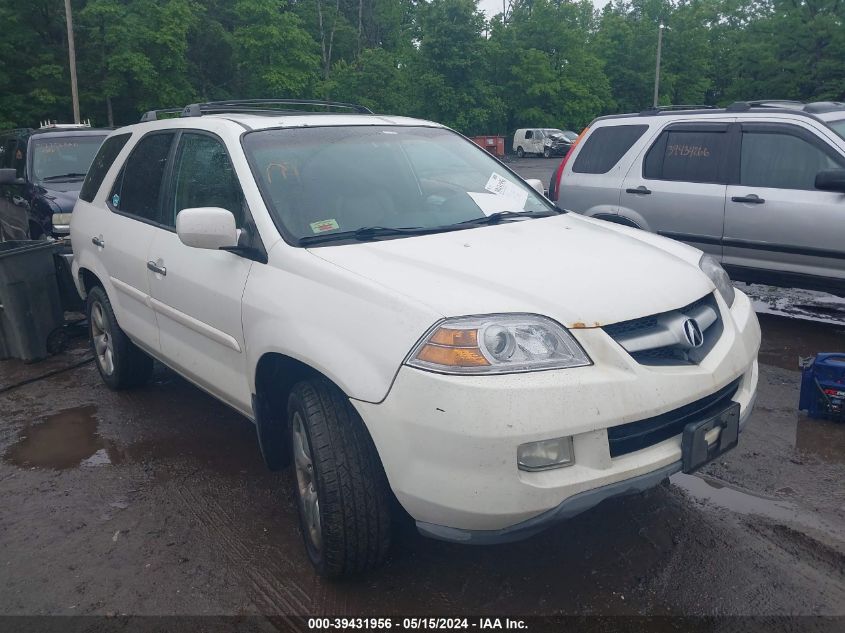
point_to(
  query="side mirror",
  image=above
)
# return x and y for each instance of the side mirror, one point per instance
(831, 180)
(8, 176)
(536, 185)
(207, 227)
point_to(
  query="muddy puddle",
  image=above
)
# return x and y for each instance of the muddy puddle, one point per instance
(721, 495)
(67, 439)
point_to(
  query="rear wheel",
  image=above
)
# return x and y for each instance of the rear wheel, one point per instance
(341, 489)
(520, 152)
(120, 362)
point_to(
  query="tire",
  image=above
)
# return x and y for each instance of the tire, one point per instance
(547, 152)
(520, 152)
(120, 362)
(341, 489)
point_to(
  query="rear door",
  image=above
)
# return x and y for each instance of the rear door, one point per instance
(197, 296)
(677, 186)
(778, 226)
(124, 236)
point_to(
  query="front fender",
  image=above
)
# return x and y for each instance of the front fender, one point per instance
(350, 329)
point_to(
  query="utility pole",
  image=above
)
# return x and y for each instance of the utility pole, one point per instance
(74, 90)
(657, 65)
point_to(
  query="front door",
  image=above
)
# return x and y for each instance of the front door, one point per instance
(196, 293)
(775, 218)
(14, 208)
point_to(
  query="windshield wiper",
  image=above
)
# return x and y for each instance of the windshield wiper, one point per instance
(63, 177)
(495, 218)
(369, 233)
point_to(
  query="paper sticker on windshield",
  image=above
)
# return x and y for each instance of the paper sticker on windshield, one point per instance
(115, 200)
(501, 186)
(490, 203)
(324, 225)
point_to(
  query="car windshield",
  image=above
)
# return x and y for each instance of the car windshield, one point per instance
(329, 180)
(552, 131)
(64, 157)
(838, 126)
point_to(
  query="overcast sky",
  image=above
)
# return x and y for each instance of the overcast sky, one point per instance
(492, 7)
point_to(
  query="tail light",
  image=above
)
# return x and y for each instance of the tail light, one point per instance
(554, 185)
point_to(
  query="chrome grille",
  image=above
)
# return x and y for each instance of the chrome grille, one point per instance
(662, 339)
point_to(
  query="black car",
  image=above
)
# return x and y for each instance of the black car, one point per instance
(41, 172)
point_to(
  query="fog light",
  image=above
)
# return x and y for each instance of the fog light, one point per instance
(545, 454)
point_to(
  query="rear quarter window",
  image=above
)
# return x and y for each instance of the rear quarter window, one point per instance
(102, 163)
(605, 146)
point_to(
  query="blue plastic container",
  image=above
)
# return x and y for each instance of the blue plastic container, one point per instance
(823, 387)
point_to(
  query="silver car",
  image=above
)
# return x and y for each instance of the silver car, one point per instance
(758, 185)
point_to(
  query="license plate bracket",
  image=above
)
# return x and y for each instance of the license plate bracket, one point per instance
(695, 449)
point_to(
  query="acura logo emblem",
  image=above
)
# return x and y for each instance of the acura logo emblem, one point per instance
(692, 332)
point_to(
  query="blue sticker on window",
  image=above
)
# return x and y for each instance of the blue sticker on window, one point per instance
(115, 200)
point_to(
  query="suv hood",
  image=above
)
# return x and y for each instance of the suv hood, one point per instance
(582, 273)
(63, 195)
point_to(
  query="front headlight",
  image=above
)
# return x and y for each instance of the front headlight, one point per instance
(713, 269)
(497, 344)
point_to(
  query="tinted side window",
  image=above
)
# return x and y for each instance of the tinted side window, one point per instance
(102, 163)
(137, 189)
(529, 134)
(782, 161)
(605, 146)
(688, 156)
(204, 177)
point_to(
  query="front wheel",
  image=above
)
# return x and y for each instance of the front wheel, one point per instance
(120, 362)
(341, 488)
(547, 153)
(520, 152)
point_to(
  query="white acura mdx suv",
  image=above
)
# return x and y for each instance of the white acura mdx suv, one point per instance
(404, 317)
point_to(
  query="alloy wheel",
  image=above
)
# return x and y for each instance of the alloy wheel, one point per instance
(309, 502)
(102, 337)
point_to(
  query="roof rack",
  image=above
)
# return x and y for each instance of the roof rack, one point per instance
(256, 106)
(744, 106)
(824, 106)
(54, 125)
(673, 108)
(155, 115)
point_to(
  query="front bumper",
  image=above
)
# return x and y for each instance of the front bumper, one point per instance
(557, 150)
(448, 443)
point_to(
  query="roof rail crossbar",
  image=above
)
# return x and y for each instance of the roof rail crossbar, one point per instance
(268, 106)
(153, 115)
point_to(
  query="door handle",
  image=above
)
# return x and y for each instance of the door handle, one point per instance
(160, 270)
(751, 198)
(641, 190)
(98, 241)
